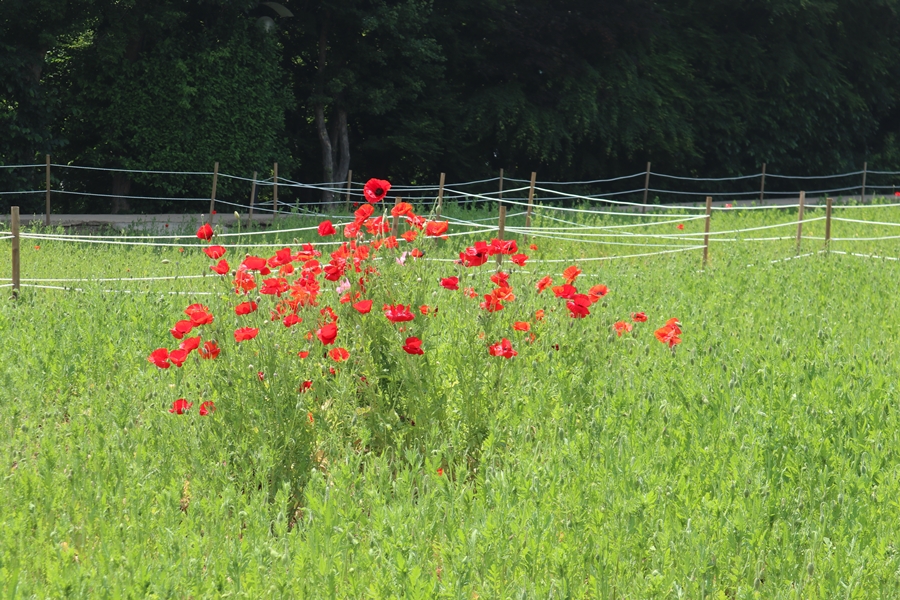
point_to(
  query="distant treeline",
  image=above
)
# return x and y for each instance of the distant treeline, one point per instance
(406, 89)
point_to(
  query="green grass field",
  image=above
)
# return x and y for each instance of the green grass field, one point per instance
(759, 459)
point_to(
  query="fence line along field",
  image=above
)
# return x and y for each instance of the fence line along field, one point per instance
(378, 406)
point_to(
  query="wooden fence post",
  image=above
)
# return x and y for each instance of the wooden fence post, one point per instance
(800, 219)
(762, 184)
(252, 195)
(349, 184)
(14, 226)
(395, 225)
(500, 197)
(501, 229)
(47, 201)
(862, 197)
(212, 197)
(440, 203)
(275, 194)
(530, 200)
(706, 231)
(827, 222)
(646, 188)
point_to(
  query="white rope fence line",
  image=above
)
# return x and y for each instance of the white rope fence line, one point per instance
(600, 242)
(105, 279)
(580, 227)
(76, 237)
(772, 262)
(580, 260)
(865, 222)
(74, 289)
(863, 255)
(664, 206)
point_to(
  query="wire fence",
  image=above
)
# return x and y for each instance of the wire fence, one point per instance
(60, 188)
(633, 235)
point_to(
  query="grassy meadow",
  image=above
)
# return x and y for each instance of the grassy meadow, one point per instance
(758, 459)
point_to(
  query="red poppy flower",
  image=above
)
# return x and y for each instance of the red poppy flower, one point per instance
(205, 232)
(413, 346)
(177, 357)
(416, 253)
(194, 308)
(391, 242)
(291, 320)
(363, 306)
(533, 247)
(522, 326)
(502, 348)
(327, 334)
(470, 292)
(310, 418)
(410, 236)
(539, 314)
(303, 353)
(160, 358)
(306, 386)
(221, 268)
(402, 209)
(440, 471)
(680, 227)
(451, 283)
(500, 278)
(519, 259)
(597, 292)
(275, 286)
(436, 228)
(245, 333)
(667, 334)
(897, 194)
(578, 306)
(245, 308)
(180, 406)
(243, 282)
(375, 190)
(329, 314)
(181, 328)
(491, 303)
(504, 246)
(260, 375)
(415, 221)
(190, 344)
(207, 408)
(214, 252)
(338, 354)
(201, 317)
(363, 212)
(254, 263)
(209, 350)
(565, 291)
(638, 317)
(424, 309)
(571, 274)
(622, 327)
(398, 313)
(544, 283)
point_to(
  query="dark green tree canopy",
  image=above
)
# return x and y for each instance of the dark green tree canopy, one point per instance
(405, 89)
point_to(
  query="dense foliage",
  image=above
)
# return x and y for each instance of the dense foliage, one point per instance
(409, 88)
(758, 458)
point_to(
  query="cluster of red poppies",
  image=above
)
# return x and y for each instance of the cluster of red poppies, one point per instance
(352, 267)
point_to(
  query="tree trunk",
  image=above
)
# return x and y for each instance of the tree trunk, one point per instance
(321, 127)
(343, 162)
(121, 187)
(325, 141)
